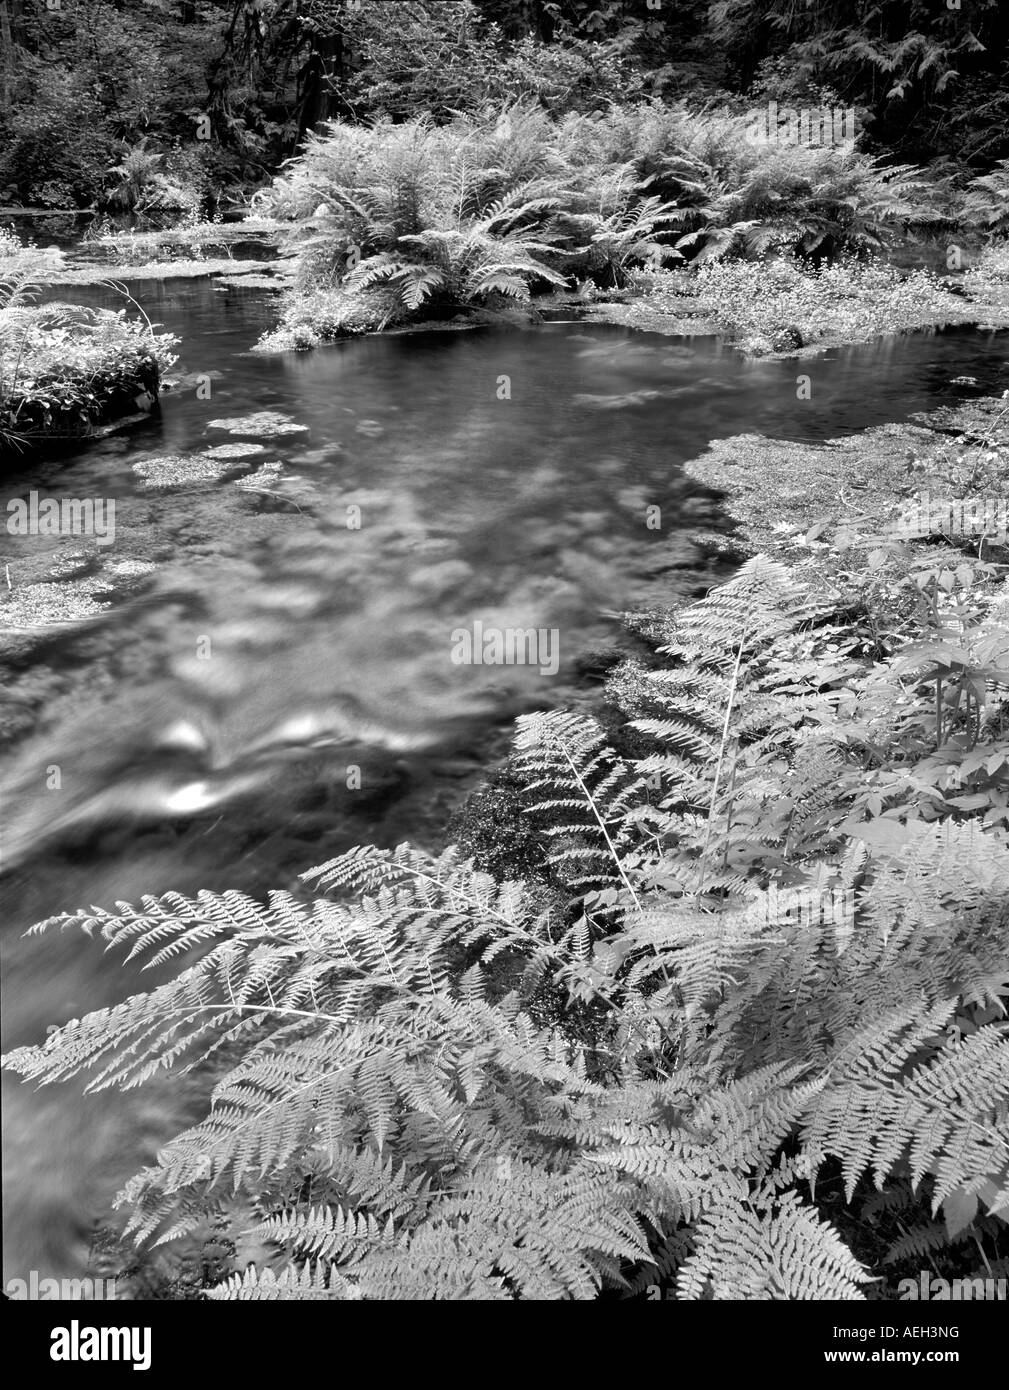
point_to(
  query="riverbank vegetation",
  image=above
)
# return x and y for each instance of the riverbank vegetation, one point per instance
(494, 158)
(725, 1021)
(784, 306)
(165, 105)
(405, 222)
(66, 371)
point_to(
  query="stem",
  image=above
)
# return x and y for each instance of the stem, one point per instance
(721, 756)
(938, 708)
(606, 835)
(956, 707)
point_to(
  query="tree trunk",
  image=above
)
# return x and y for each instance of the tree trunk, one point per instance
(325, 60)
(12, 35)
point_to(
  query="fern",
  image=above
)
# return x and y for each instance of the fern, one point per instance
(429, 1084)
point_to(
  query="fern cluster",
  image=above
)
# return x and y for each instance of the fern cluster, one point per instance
(494, 207)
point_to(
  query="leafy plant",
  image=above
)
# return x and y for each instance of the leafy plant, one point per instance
(63, 367)
(781, 304)
(986, 201)
(432, 1084)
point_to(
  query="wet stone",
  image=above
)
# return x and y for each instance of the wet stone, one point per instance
(180, 470)
(271, 480)
(266, 423)
(234, 451)
(42, 605)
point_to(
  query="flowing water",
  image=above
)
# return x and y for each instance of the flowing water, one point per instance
(282, 685)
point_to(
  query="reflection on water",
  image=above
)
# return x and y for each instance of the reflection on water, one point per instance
(284, 687)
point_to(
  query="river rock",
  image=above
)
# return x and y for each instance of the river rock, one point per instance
(234, 451)
(265, 423)
(167, 471)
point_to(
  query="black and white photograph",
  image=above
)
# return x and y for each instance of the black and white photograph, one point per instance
(504, 634)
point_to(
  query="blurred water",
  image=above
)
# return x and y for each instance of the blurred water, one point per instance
(330, 645)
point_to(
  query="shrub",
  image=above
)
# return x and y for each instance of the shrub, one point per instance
(446, 59)
(588, 198)
(986, 201)
(54, 150)
(738, 197)
(783, 304)
(987, 284)
(65, 369)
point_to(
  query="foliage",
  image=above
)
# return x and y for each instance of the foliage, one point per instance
(986, 201)
(199, 94)
(146, 184)
(750, 943)
(782, 304)
(930, 77)
(987, 283)
(442, 59)
(771, 949)
(63, 367)
(229, 88)
(456, 216)
(736, 195)
(507, 202)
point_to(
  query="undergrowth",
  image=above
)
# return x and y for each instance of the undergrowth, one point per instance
(726, 1017)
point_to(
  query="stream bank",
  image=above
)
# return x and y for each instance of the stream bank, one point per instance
(329, 712)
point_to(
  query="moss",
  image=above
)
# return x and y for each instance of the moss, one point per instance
(100, 273)
(956, 451)
(67, 372)
(782, 308)
(494, 828)
(77, 587)
(325, 315)
(767, 479)
(987, 284)
(264, 424)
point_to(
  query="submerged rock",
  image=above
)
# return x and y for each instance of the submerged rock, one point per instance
(180, 470)
(189, 381)
(267, 476)
(271, 480)
(320, 455)
(234, 451)
(27, 607)
(42, 605)
(266, 423)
